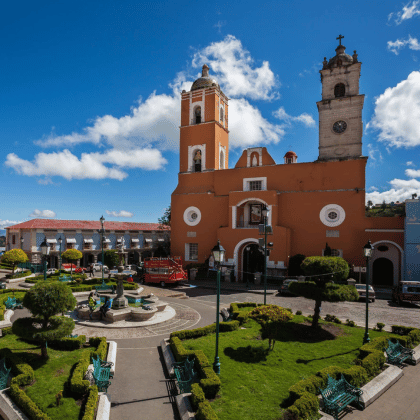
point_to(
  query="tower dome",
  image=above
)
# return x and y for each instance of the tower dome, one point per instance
(205, 81)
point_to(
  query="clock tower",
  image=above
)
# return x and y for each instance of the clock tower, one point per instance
(340, 110)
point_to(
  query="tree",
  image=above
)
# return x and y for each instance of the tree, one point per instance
(294, 265)
(383, 205)
(165, 220)
(44, 301)
(14, 257)
(271, 318)
(72, 255)
(370, 204)
(111, 258)
(326, 270)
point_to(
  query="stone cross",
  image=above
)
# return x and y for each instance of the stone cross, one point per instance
(340, 37)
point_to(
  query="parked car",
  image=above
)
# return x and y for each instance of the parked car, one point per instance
(361, 289)
(131, 267)
(408, 291)
(51, 270)
(68, 267)
(284, 288)
(98, 267)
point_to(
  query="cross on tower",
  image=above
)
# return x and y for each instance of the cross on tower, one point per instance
(340, 37)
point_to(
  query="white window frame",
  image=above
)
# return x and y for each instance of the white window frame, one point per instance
(246, 183)
(326, 220)
(340, 252)
(222, 149)
(191, 152)
(188, 219)
(188, 251)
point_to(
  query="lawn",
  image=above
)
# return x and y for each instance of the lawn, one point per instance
(255, 382)
(50, 376)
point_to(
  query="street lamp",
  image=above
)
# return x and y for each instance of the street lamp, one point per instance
(265, 212)
(247, 249)
(102, 220)
(368, 251)
(45, 250)
(219, 255)
(60, 241)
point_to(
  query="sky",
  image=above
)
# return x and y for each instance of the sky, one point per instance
(90, 95)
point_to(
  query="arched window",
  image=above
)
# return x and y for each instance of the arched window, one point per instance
(197, 115)
(339, 90)
(222, 160)
(197, 161)
(221, 115)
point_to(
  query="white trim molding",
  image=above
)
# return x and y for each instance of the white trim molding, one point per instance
(246, 181)
(191, 150)
(222, 149)
(192, 216)
(384, 230)
(235, 252)
(249, 152)
(332, 215)
(194, 105)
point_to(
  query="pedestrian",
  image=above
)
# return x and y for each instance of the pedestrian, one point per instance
(105, 307)
(92, 305)
(91, 270)
(130, 279)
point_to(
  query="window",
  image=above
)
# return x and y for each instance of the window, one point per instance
(222, 160)
(193, 254)
(13, 239)
(335, 253)
(197, 115)
(255, 185)
(255, 214)
(339, 90)
(221, 115)
(197, 161)
(289, 160)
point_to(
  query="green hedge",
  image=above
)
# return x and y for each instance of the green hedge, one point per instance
(91, 404)
(101, 347)
(205, 412)
(68, 343)
(6, 331)
(237, 314)
(401, 330)
(197, 396)
(19, 275)
(78, 385)
(22, 400)
(209, 329)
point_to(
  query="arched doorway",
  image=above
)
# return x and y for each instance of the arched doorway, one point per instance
(383, 272)
(252, 262)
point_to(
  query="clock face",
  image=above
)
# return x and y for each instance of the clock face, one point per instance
(339, 127)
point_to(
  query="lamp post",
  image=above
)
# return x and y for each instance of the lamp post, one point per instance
(102, 220)
(45, 250)
(368, 251)
(219, 255)
(247, 249)
(60, 241)
(265, 212)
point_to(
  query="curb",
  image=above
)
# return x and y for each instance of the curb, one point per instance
(104, 406)
(8, 409)
(235, 289)
(7, 315)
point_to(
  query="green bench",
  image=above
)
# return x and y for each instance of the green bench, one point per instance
(226, 315)
(338, 395)
(398, 354)
(101, 375)
(184, 373)
(12, 303)
(104, 287)
(4, 374)
(103, 364)
(65, 277)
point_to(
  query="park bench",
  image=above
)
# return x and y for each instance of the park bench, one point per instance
(184, 373)
(4, 374)
(397, 353)
(104, 287)
(101, 375)
(103, 364)
(226, 315)
(338, 395)
(12, 303)
(65, 277)
(2, 285)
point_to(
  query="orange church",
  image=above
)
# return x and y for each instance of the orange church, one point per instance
(310, 203)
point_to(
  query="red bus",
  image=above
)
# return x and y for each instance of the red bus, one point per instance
(163, 271)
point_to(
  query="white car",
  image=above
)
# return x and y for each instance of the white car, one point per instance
(51, 271)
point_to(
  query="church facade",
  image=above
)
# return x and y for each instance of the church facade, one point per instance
(310, 203)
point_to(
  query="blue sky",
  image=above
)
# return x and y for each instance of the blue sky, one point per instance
(90, 105)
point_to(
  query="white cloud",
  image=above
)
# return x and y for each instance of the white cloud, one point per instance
(44, 214)
(122, 213)
(410, 10)
(374, 153)
(304, 118)
(395, 46)
(410, 163)
(413, 173)
(248, 127)
(401, 190)
(372, 188)
(6, 223)
(235, 70)
(397, 113)
(89, 166)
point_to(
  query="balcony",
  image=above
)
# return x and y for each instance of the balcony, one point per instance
(240, 224)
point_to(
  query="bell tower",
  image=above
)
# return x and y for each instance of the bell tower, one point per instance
(340, 110)
(204, 134)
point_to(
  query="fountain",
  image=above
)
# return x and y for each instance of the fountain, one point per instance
(120, 301)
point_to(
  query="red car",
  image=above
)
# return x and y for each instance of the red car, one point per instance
(69, 267)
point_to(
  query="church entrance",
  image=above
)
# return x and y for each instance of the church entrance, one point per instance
(252, 262)
(383, 272)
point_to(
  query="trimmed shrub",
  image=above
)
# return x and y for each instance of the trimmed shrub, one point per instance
(205, 412)
(229, 326)
(298, 312)
(401, 330)
(68, 343)
(198, 332)
(333, 371)
(329, 318)
(306, 406)
(413, 334)
(101, 347)
(91, 403)
(81, 288)
(210, 383)
(78, 385)
(350, 323)
(6, 331)
(197, 396)
(380, 326)
(356, 376)
(26, 404)
(273, 313)
(373, 363)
